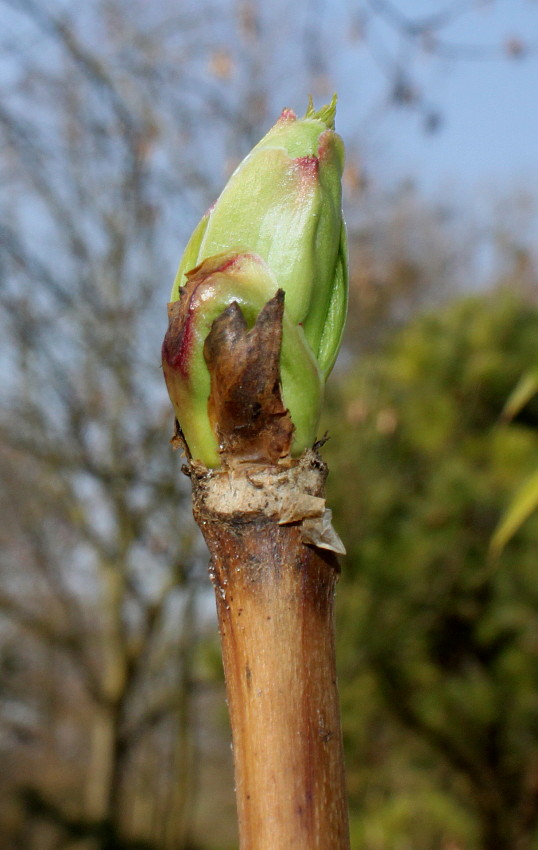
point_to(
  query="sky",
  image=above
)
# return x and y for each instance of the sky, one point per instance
(484, 108)
(487, 107)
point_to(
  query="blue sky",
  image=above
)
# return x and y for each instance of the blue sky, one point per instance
(489, 107)
(488, 133)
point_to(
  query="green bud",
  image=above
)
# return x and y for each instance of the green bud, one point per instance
(210, 289)
(277, 224)
(284, 203)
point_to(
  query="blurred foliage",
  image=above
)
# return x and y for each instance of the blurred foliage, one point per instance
(525, 500)
(524, 503)
(403, 258)
(438, 643)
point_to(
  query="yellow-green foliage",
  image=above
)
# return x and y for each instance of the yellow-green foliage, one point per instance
(438, 642)
(525, 499)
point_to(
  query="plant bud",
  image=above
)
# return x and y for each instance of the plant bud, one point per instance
(277, 225)
(221, 280)
(284, 203)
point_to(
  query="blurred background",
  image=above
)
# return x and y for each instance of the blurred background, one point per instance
(120, 120)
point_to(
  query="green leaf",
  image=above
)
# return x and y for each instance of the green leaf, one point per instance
(523, 504)
(525, 389)
(325, 114)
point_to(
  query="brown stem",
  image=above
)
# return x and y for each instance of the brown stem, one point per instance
(275, 607)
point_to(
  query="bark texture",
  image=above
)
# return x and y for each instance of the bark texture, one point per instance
(275, 607)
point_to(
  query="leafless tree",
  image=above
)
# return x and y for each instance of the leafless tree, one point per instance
(100, 565)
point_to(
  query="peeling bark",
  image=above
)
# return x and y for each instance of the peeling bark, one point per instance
(275, 608)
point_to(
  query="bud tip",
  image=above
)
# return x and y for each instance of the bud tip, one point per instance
(287, 115)
(326, 114)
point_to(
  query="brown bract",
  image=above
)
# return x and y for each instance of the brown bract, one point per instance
(245, 405)
(177, 340)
